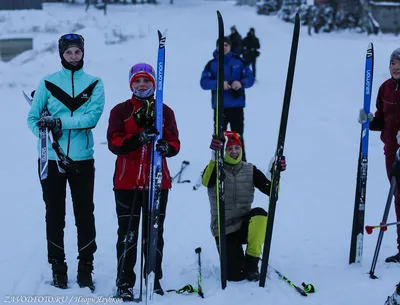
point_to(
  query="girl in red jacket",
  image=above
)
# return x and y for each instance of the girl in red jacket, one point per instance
(387, 120)
(130, 133)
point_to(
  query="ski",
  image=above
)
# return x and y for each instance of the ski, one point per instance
(357, 234)
(46, 136)
(273, 197)
(219, 155)
(155, 176)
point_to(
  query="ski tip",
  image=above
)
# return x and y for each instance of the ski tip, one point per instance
(162, 35)
(297, 18)
(370, 46)
(219, 14)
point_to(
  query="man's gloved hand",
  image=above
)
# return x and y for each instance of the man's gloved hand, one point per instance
(162, 147)
(216, 144)
(281, 164)
(49, 122)
(362, 117)
(395, 171)
(147, 135)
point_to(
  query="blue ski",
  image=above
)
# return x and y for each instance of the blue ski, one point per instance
(356, 247)
(155, 176)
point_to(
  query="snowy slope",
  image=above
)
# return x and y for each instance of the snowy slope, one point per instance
(314, 212)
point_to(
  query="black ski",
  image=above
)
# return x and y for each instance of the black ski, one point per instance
(219, 155)
(273, 198)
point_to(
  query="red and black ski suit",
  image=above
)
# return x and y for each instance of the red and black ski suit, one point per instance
(387, 120)
(131, 180)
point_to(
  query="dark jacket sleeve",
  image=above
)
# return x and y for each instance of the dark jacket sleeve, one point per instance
(208, 80)
(261, 182)
(378, 123)
(171, 133)
(119, 142)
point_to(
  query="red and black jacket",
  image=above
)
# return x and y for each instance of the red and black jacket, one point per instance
(122, 128)
(387, 115)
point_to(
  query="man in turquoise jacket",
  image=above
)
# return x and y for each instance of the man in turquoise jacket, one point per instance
(75, 102)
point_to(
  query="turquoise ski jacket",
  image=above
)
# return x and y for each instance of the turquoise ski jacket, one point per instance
(78, 100)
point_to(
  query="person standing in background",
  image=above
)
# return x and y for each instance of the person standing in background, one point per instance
(238, 77)
(236, 41)
(251, 44)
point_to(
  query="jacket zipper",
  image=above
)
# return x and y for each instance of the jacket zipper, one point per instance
(87, 139)
(234, 185)
(73, 96)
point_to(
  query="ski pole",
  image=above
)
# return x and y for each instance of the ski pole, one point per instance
(298, 289)
(382, 225)
(199, 277)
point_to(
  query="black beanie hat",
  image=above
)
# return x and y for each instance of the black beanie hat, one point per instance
(70, 40)
(227, 40)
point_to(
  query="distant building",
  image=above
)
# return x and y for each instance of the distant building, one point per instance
(20, 4)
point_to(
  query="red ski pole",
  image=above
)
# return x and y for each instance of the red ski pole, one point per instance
(383, 226)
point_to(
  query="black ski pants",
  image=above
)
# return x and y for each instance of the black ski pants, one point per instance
(235, 256)
(126, 200)
(81, 181)
(235, 117)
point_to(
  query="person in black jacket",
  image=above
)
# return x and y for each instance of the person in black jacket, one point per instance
(251, 44)
(236, 41)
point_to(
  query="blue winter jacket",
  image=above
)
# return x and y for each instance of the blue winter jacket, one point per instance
(234, 69)
(77, 99)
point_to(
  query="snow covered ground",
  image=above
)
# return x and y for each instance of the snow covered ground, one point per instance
(314, 212)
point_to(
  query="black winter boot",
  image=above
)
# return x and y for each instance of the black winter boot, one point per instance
(393, 259)
(60, 277)
(125, 292)
(157, 287)
(252, 273)
(84, 278)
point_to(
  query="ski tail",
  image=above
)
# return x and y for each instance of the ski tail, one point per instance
(357, 235)
(155, 176)
(273, 198)
(219, 155)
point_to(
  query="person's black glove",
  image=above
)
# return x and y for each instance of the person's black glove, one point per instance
(49, 122)
(395, 171)
(147, 135)
(144, 137)
(162, 147)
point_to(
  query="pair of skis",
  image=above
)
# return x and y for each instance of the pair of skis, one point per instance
(278, 154)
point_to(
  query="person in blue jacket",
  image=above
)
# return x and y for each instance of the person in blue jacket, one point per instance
(75, 101)
(237, 77)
